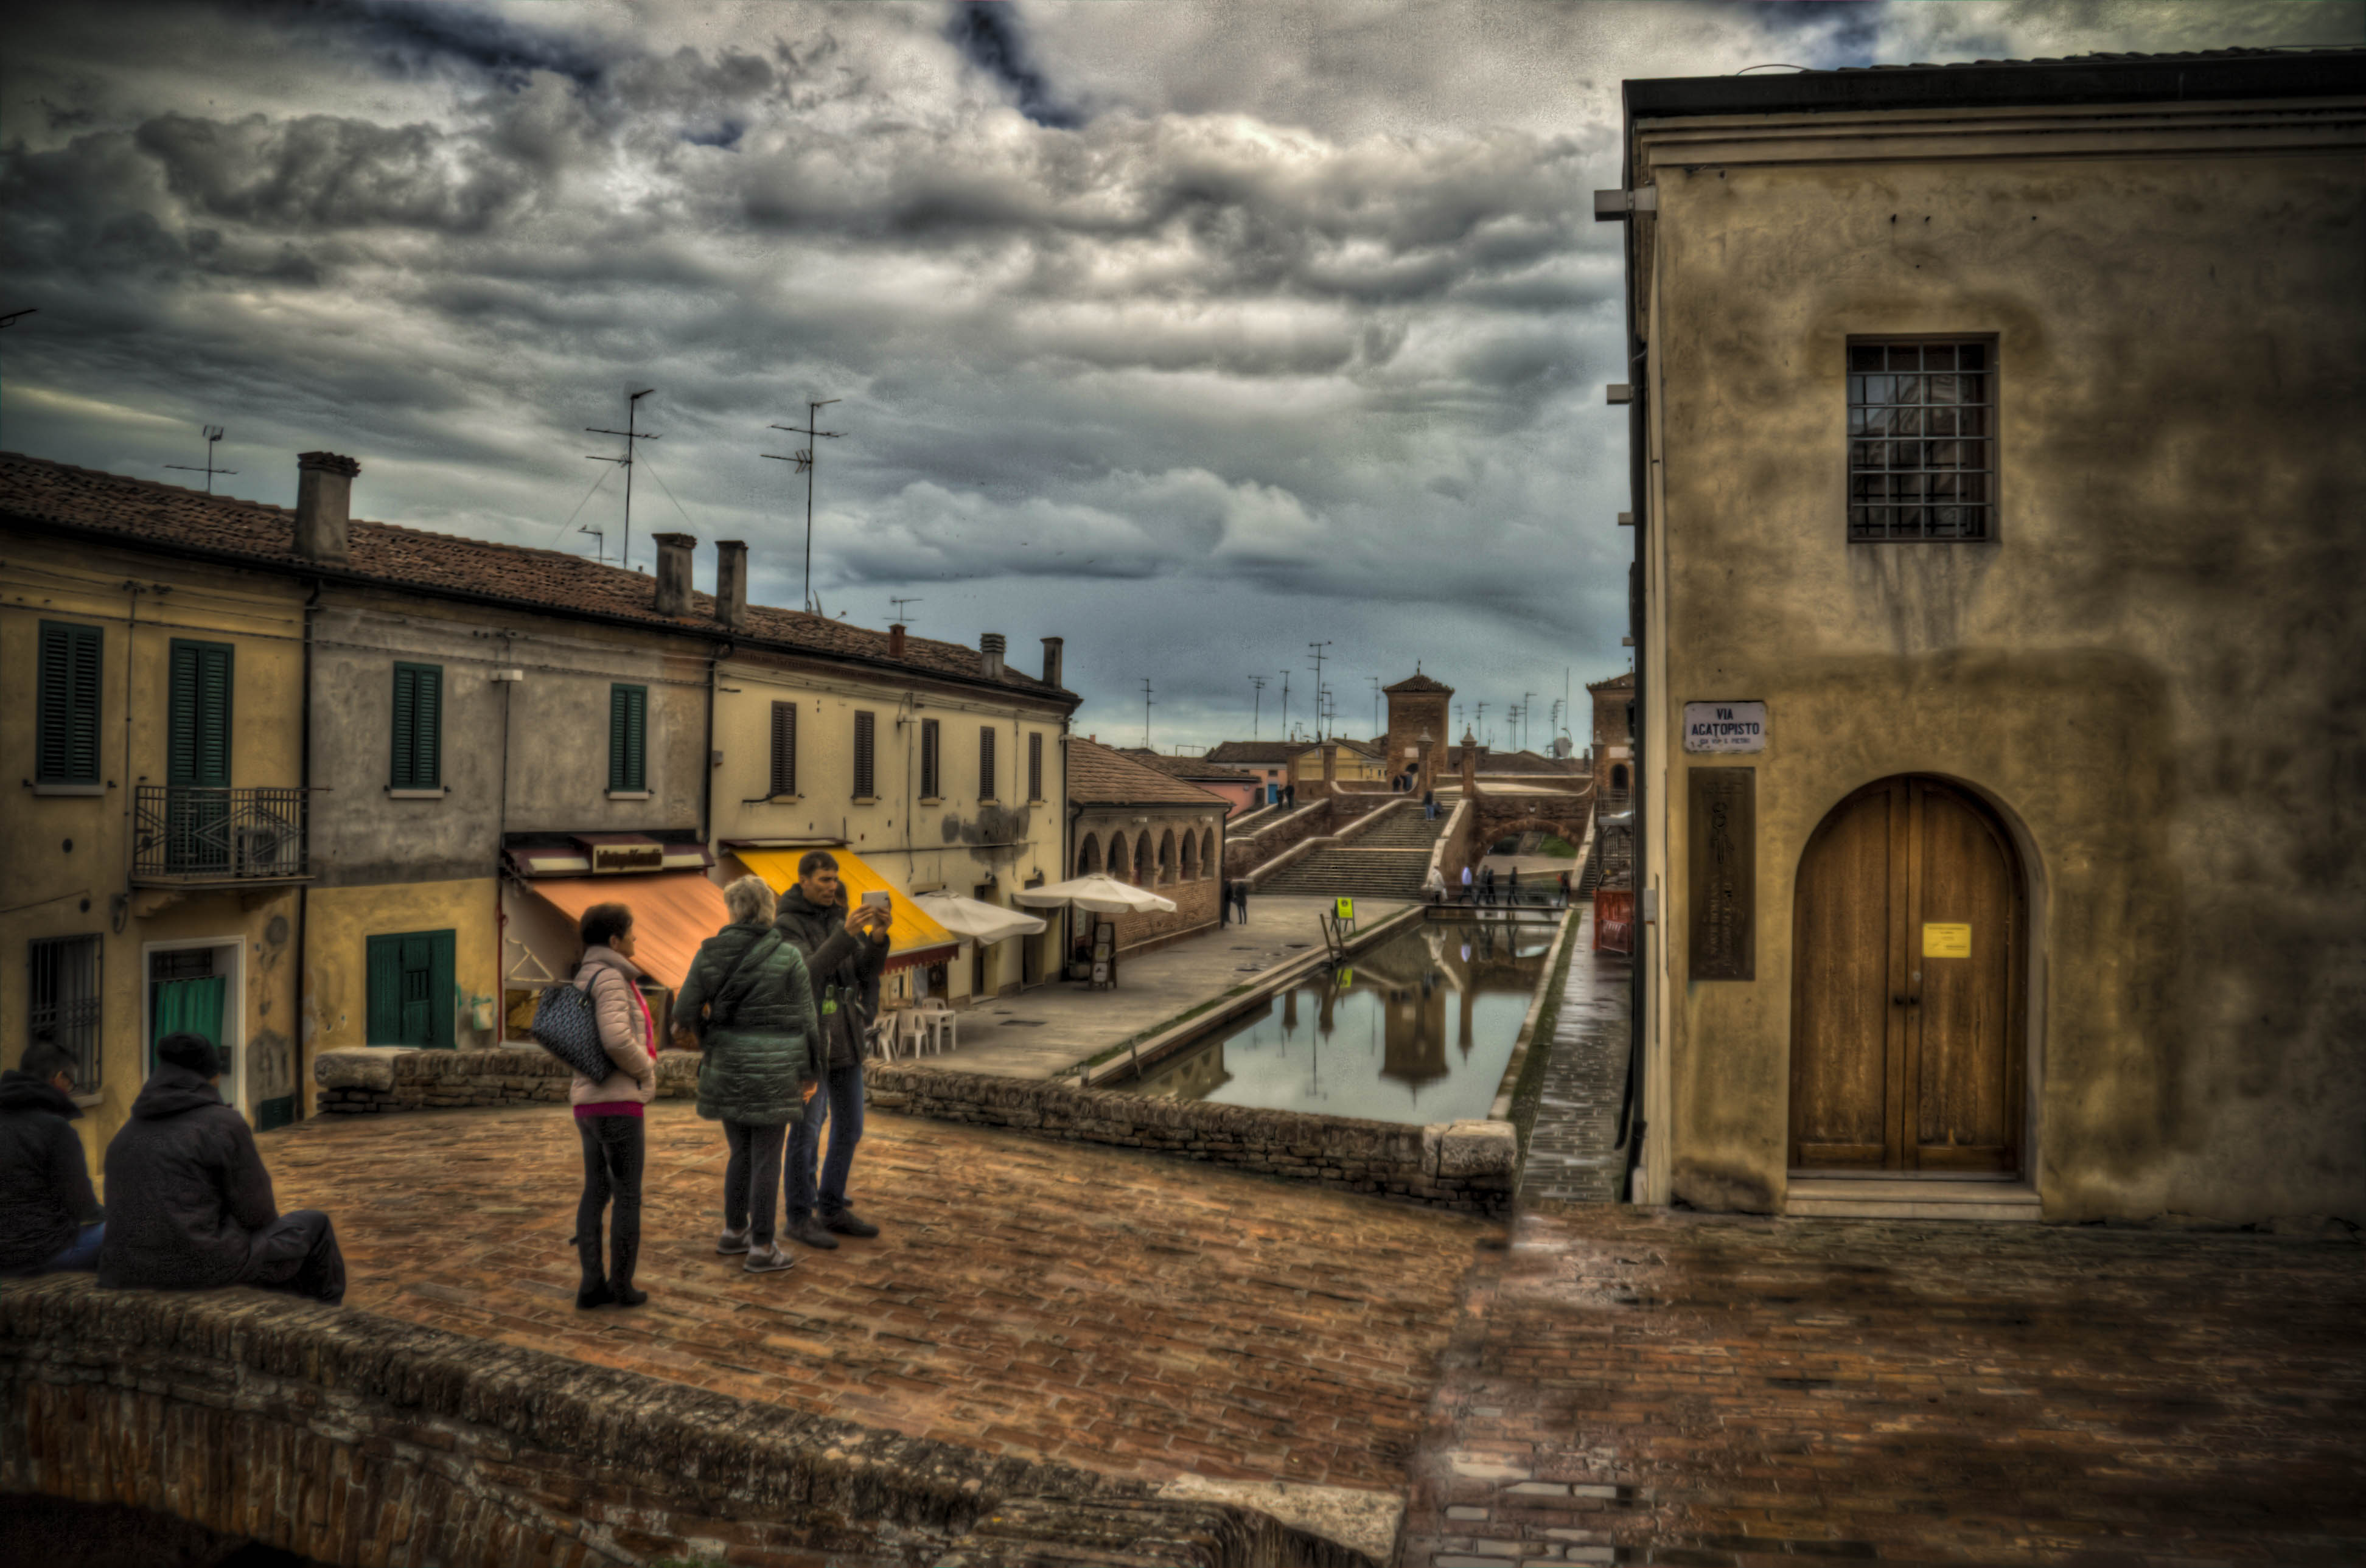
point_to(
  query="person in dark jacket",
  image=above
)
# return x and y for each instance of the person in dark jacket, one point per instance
(189, 1205)
(844, 950)
(749, 1004)
(49, 1220)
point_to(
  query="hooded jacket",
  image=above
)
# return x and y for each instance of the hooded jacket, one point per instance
(186, 1189)
(753, 1067)
(841, 965)
(45, 1196)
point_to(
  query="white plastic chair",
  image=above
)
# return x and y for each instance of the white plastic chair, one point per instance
(937, 1017)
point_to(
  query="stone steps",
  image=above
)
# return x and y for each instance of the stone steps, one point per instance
(1353, 873)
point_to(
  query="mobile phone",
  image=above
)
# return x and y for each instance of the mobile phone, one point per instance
(874, 901)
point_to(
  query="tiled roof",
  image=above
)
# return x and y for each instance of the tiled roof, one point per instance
(2105, 57)
(138, 511)
(1197, 768)
(1257, 753)
(1418, 682)
(1492, 761)
(1099, 775)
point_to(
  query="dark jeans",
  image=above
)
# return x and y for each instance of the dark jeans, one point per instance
(296, 1253)
(840, 1100)
(613, 1148)
(752, 1180)
(79, 1256)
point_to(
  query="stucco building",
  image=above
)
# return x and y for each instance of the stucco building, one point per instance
(1998, 461)
(1145, 827)
(1241, 786)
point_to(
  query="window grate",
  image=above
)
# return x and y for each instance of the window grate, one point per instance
(1922, 427)
(785, 749)
(63, 994)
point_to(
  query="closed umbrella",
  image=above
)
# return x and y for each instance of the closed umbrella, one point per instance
(979, 921)
(1100, 895)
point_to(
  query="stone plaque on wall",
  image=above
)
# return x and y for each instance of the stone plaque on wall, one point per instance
(1721, 824)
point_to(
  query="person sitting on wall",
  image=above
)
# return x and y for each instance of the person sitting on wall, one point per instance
(751, 1004)
(49, 1220)
(845, 950)
(608, 1109)
(190, 1205)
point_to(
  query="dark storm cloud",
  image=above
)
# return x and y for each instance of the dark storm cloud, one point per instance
(1297, 333)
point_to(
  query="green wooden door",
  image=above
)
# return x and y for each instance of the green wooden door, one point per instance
(197, 758)
(411, 989)
(193, 1006)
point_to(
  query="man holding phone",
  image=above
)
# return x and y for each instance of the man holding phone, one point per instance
(844, 951)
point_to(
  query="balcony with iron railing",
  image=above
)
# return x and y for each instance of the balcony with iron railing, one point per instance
(196, 835)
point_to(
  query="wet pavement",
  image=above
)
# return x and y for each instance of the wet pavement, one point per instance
(1573, 1155)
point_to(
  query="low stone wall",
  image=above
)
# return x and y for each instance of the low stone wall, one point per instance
(380, 1079)
(1451, 1165)
(350, 1439)
(1195, 911)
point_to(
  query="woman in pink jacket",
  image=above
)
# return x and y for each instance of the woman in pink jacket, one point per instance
(608, 1109)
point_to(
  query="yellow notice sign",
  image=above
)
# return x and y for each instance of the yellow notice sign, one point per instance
(1946, 942)
(1347, 908)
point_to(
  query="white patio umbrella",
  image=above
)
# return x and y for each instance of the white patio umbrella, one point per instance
(1100, 895)
(979, 921)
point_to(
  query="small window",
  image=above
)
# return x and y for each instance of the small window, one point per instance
(62, 995)
(866, 728)
(785, 749)
(1035, 767)
(411, 989)
(985, 764)
(66, 723)
(930, 754)
(628, 739)
(418, 728)
(1922, 430)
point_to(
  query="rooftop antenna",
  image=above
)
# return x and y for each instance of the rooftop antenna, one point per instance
(804, 460)
(899, 605)
(1317, 648)
(13, 316)
(213, 438)
(1527, 711)
(1146, 713)
(1285, 705)
(1375, 679)
(631, 432)
(1256, 703)
(1478, 721)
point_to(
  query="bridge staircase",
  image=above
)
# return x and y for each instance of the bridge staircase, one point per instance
(1386, 861)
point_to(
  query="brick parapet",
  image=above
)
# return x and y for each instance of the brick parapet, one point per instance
(1465, 1165)
(381, 1079)
(346, 1437)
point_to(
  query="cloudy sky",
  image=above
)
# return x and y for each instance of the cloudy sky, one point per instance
(1193, 332)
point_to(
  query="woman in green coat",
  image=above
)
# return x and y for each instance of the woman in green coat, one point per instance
(748, 1001)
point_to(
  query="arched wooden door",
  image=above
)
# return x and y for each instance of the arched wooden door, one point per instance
(1909, 969)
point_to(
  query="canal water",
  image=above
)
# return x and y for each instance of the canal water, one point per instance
(1418, 1028)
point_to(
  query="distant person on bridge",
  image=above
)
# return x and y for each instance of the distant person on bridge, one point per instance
(1429, 804)
(1466, 887)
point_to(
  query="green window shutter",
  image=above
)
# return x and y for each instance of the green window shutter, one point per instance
(406, 726)
(928, 789)
(441, 990)
(785, 749)
(66, 723)
(865, 733)
(198, 730)
(417, 726)
(384, 991)
(985, 764)
(628, 713)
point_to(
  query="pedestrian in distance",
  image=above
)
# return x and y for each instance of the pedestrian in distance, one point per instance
(844, 950)
(1240, 896)
(1563, 880)
(1512, 887)
(189, 1203)
(50, 1222)
(608, 1109)
(1429, 804)
(749, 1004)
(1466, 897)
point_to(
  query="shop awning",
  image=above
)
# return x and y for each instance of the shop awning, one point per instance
(673, 911)
(912, 936)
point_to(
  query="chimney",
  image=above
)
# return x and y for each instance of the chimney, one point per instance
(896, 640)
(325, 506)
(673, 573)
(731, 583)
(1052, 645)
(990, 648)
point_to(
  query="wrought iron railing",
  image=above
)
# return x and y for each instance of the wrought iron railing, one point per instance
(194, 833)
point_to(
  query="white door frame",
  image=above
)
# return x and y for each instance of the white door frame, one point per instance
(233, 1085)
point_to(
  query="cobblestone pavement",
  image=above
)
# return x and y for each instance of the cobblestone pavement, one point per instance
(1573, 1145)
(1117, 1311)
(1639, 1386)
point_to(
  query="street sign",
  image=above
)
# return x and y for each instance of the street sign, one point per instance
(1725, 727)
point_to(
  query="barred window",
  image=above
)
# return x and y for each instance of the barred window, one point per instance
(62, 993)
(1922, 425)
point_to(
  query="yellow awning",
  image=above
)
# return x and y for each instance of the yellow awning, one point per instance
(912, 936)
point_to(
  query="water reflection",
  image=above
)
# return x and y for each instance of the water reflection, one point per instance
(1416, 1030)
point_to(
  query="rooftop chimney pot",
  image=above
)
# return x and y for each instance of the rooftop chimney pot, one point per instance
(325, 506)
(731, 583)
(990, 648)
(674, 552)
(1052, 645)
(896, 640)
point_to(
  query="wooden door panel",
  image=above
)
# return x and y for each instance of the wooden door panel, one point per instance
(1961, 1029)
(1841, 990)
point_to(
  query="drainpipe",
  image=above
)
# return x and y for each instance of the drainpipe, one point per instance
(304, 891)
(119, 909)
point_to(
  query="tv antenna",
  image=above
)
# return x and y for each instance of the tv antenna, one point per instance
(1375, 679)
(899, 605)
(1317, 648)
(631, 432)
(1146, 713)
(1285, 704)
(213, 438)
(1256, 703)
(1528, 715)
(804, 460)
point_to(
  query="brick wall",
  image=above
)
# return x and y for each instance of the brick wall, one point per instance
(388, 1079)
(1453, 1165)
(1195, 909)
(350, 1439)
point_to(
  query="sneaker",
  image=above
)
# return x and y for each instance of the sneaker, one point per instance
(732, 1241)
(846, 1221)
(808, 1229)
(768, 1259)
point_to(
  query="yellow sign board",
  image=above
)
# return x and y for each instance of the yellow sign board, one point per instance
(1347, 908)
(1946, 942)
